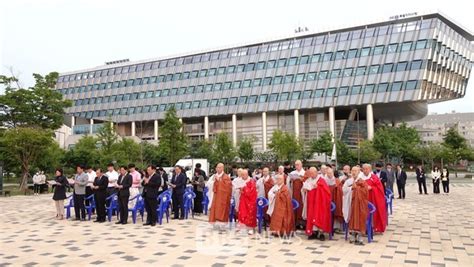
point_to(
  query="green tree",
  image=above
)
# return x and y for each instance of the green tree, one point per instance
(107, 137)
(127, 151)
(306, 151)
(84, 152)
(399, 142)
(323, 144)
(456, 147)
(223, 148)
(173, 141)
(26, 146)
(37, 106)
(408, 139)
(368, 153)
(150, 154)
(344, 154)
(51, 159)
(245, 150)
(284, 145)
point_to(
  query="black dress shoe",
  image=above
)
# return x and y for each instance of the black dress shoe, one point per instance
(97, 221)
(321, 237)
(153, 224)
(124, 223)
(313, 236)
(118, 223)
(102, 221)
(145, 224)
(181, 218)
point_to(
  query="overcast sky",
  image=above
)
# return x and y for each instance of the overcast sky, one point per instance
(53, 35)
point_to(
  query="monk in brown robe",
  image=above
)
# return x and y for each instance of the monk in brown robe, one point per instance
(359, 207)
(297, 178)
(280, 209)
(222, 192)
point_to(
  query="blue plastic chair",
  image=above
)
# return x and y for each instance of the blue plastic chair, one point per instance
(69, 206)
(205, 200)
(188, 198)
(113, 206)
(387, 206)
(333, 209)
(91, 206)
(295, 204)
(389, 194)
(368, 224)
(139, 206)
(261, 204)
(231, 212)
(163, 208)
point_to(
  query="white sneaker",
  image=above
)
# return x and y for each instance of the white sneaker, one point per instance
(251, 232)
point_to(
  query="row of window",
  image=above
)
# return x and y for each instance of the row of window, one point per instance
(267, 81)
(299, 77)
(320, 57)
(253, 99)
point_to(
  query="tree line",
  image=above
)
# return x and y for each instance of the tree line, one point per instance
(29, 117)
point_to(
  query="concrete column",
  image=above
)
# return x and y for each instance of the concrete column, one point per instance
(91, 125)
(133, 128)
(264, 131)
(297, 123)
(155, 131)
(206, 127)
(332, 121)
(370, 122)
(73, 121)
(234, 130)
(181, 121)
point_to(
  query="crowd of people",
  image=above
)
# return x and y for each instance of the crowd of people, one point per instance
(437, 175)
(299, 198)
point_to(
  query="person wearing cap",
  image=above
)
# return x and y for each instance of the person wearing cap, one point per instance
(178, 184)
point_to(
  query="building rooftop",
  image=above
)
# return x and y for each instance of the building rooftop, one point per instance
(445, 118)
(403, 18)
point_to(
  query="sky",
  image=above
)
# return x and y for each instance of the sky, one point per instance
(67, 35)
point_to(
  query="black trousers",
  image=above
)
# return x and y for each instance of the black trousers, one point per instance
(123, 208)
(88, 193)
(436, 186)
(198, 202)
(445, 186)
(178, 205)
(36, 188)
(421, 183)
(151, 204)
(401, 190)
(100, 205)
(79, 208)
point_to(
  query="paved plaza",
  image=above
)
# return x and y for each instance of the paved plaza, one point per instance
(424, 230)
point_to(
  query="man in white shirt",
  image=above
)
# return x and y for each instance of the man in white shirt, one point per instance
(90, 181)
(113, 177)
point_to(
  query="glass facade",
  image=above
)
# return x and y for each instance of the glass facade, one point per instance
(417, 59)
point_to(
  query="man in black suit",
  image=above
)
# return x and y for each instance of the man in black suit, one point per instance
(124, 183)
(178, 183)
(152, 185)
(99, 188)
(421, 179)
(164, 179)
(381, 174)
(401, 177)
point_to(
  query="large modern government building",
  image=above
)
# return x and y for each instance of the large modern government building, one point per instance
(344, 81)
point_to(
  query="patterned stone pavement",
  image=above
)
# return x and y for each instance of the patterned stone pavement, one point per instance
(432, 230)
